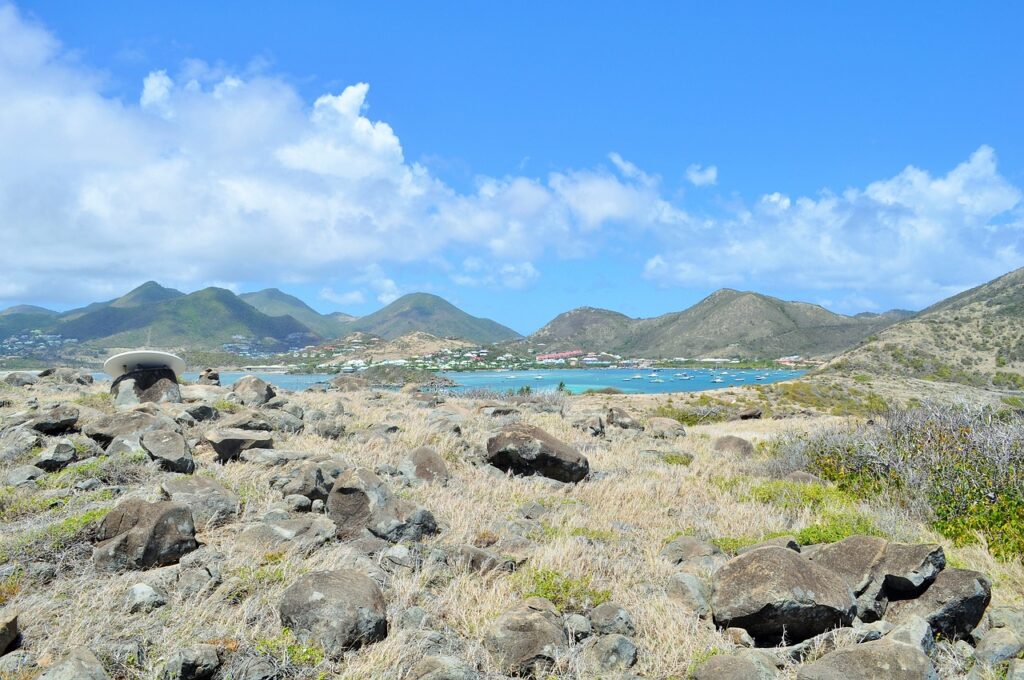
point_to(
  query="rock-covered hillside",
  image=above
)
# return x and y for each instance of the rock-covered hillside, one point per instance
(975, 338)
(344, 532)
(726, 323)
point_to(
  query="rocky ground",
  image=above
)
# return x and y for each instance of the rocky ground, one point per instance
(352, 533)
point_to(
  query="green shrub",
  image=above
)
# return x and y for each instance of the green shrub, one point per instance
(677, 458)
(41, 542)
(837, 526)
(288, 650)
(225, 406)
(565, 592)
(796, 495)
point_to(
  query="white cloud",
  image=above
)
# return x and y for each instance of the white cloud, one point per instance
(476, 272)
(352, 297)
(700, 176)
(914, 237)
(219, 175)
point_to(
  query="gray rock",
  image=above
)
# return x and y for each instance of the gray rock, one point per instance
(17, 663)
(209, 376)
(360, 501)
(129, 425)
(151, 385)
(691, 591)
(592, 425)
(528, 638)
(527, 450)
(442, 668)
(229, 443)
(424, 464)
(744, 664)
(577, 627)
(732, 444)
(302, 533)
(8, 629)
(55, 420)
(253, 391)
(611, 618)
(24, 475)
(144, 598)
(192, 663)
(20, 379)
(953, 604)
(619, 418)
(297, 503)
(79, 664)
(773, 592)
(998, 644)
(339, 610)
(170, 450)
(694, 554)
(665, 428)
(482, 561)
(613, 652)
(17, 442)
(869, 661)
(209, 502)
(311, 479)
(141, 535)
(855, 559)
(914, 631)
(57, 456)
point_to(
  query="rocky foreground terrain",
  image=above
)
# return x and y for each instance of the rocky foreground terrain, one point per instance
(250, 533)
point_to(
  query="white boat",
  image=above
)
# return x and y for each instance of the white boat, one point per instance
(717, 380)
(638, 377)
(538, 377)
(626, 379)
(657, 380)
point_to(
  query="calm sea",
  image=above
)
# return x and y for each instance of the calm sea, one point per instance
(576, 380)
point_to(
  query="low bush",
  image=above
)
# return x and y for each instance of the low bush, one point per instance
(958, 468)
(569, 594)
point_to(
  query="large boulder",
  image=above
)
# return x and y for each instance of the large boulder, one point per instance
(192, 663)
(228, 443)
(20, 379)
(56, 419)
(425, 465)
(620, 418)
(953, 604)
(360, 501)
(16, 442)
(210, 503)
(141, 535)
(282, 534)
(665, 428)
(253, 391)
(169, 449)
(734, 445)
(339, 610)
(149, 385)
(527, 638)
(774, 593)
(871, 660)
(58, 456)
(694, 554)
(527, 450)
(130, 425)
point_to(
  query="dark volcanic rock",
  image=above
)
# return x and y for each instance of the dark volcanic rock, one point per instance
(229, 443)
(360, 501)
(339, 610)
(528, 450)
(169, 449)
(869, 661)
(55, 419)
(774, 591)
(141, 535)
(953, 604)
(156, 385)
(210, 503)
(527, 638)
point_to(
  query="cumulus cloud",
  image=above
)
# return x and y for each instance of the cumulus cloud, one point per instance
(352, 297)
(216, 174)
(700, 176)
(477, 272)
(915, 237)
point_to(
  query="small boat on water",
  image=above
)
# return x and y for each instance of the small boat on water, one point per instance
(626, 379)
(538, 377)
(638, 377)
(657, 380)
(717, 380)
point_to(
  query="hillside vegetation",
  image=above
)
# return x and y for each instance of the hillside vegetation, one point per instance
(974, 338)
(726, 323)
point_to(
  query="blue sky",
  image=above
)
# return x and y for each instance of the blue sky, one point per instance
(519, 160)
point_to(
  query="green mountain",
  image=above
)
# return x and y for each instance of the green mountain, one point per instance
(204, 319)
(274, 302)
(28, 309)
(148, 293)
(974, 338)
(429, 314)
(727, 323)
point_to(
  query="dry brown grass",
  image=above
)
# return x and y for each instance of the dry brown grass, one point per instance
(609, 531)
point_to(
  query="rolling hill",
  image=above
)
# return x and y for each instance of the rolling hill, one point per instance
(274, 302)
(726, 323)
(974, 338)
(429, 314)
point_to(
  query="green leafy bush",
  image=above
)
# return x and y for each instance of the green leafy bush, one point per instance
(565, 592)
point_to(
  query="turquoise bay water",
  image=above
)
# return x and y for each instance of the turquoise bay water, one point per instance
(629, 380)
